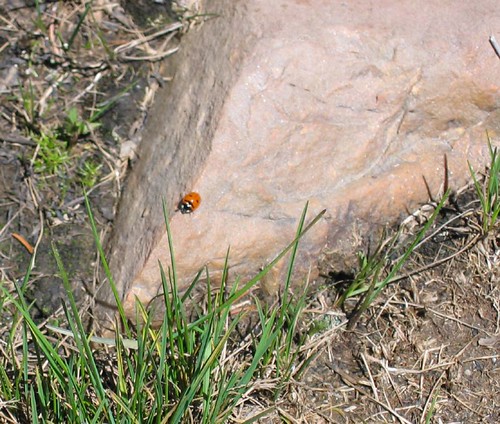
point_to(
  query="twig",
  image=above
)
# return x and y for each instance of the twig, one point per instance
(7, 224)
(372, 382)
(461, 402)
(459, 321)
(16, 139)
(151, 58)
(438, 262)
(35, 199)
(24, 242)
(87, 89)
(80, 199)
(430, 398)
(350, 382)
(495, 45)
(402, 371)
(440, 314)
(128, 343)
(145, 39)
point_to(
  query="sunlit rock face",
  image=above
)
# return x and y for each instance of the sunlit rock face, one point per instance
(348, 106)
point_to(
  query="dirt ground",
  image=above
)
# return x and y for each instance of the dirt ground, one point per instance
(429, 348)
(108, 75)
(426, 351)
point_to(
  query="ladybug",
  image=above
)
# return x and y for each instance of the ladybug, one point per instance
(189, 202)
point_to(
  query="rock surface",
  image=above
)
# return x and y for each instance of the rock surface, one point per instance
(346, 105)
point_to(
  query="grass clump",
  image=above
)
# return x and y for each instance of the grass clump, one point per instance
(52, 154)
(382, 267)
(192, 368)
(488, 192)
(378, 270)
(89, 172)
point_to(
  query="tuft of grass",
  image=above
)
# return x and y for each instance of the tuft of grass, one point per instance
(432, 408)
(488, 192)
(29, 103)
(190, 369)
(88, 173)
(39, 21)
(75, 127)
(67, 46)
(52, 154)
(377, 271)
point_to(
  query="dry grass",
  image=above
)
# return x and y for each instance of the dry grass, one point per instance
(428, 348)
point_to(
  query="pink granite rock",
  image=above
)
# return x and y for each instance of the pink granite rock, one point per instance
(345, 105)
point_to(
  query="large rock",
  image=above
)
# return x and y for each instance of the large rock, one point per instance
(347, 105)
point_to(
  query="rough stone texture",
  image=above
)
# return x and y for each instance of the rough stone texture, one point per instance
(176, 140)
(347, 105)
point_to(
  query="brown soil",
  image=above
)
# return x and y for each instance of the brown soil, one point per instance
(428, 348)
(104, 70)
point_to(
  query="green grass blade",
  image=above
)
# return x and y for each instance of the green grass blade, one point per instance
(77, 27)
(246, 287)
(479, 190)
(81, 339)
(116, 295)
(187, 398)
(379, 286)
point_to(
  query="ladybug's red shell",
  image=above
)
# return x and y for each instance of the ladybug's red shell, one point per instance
(189, 202)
